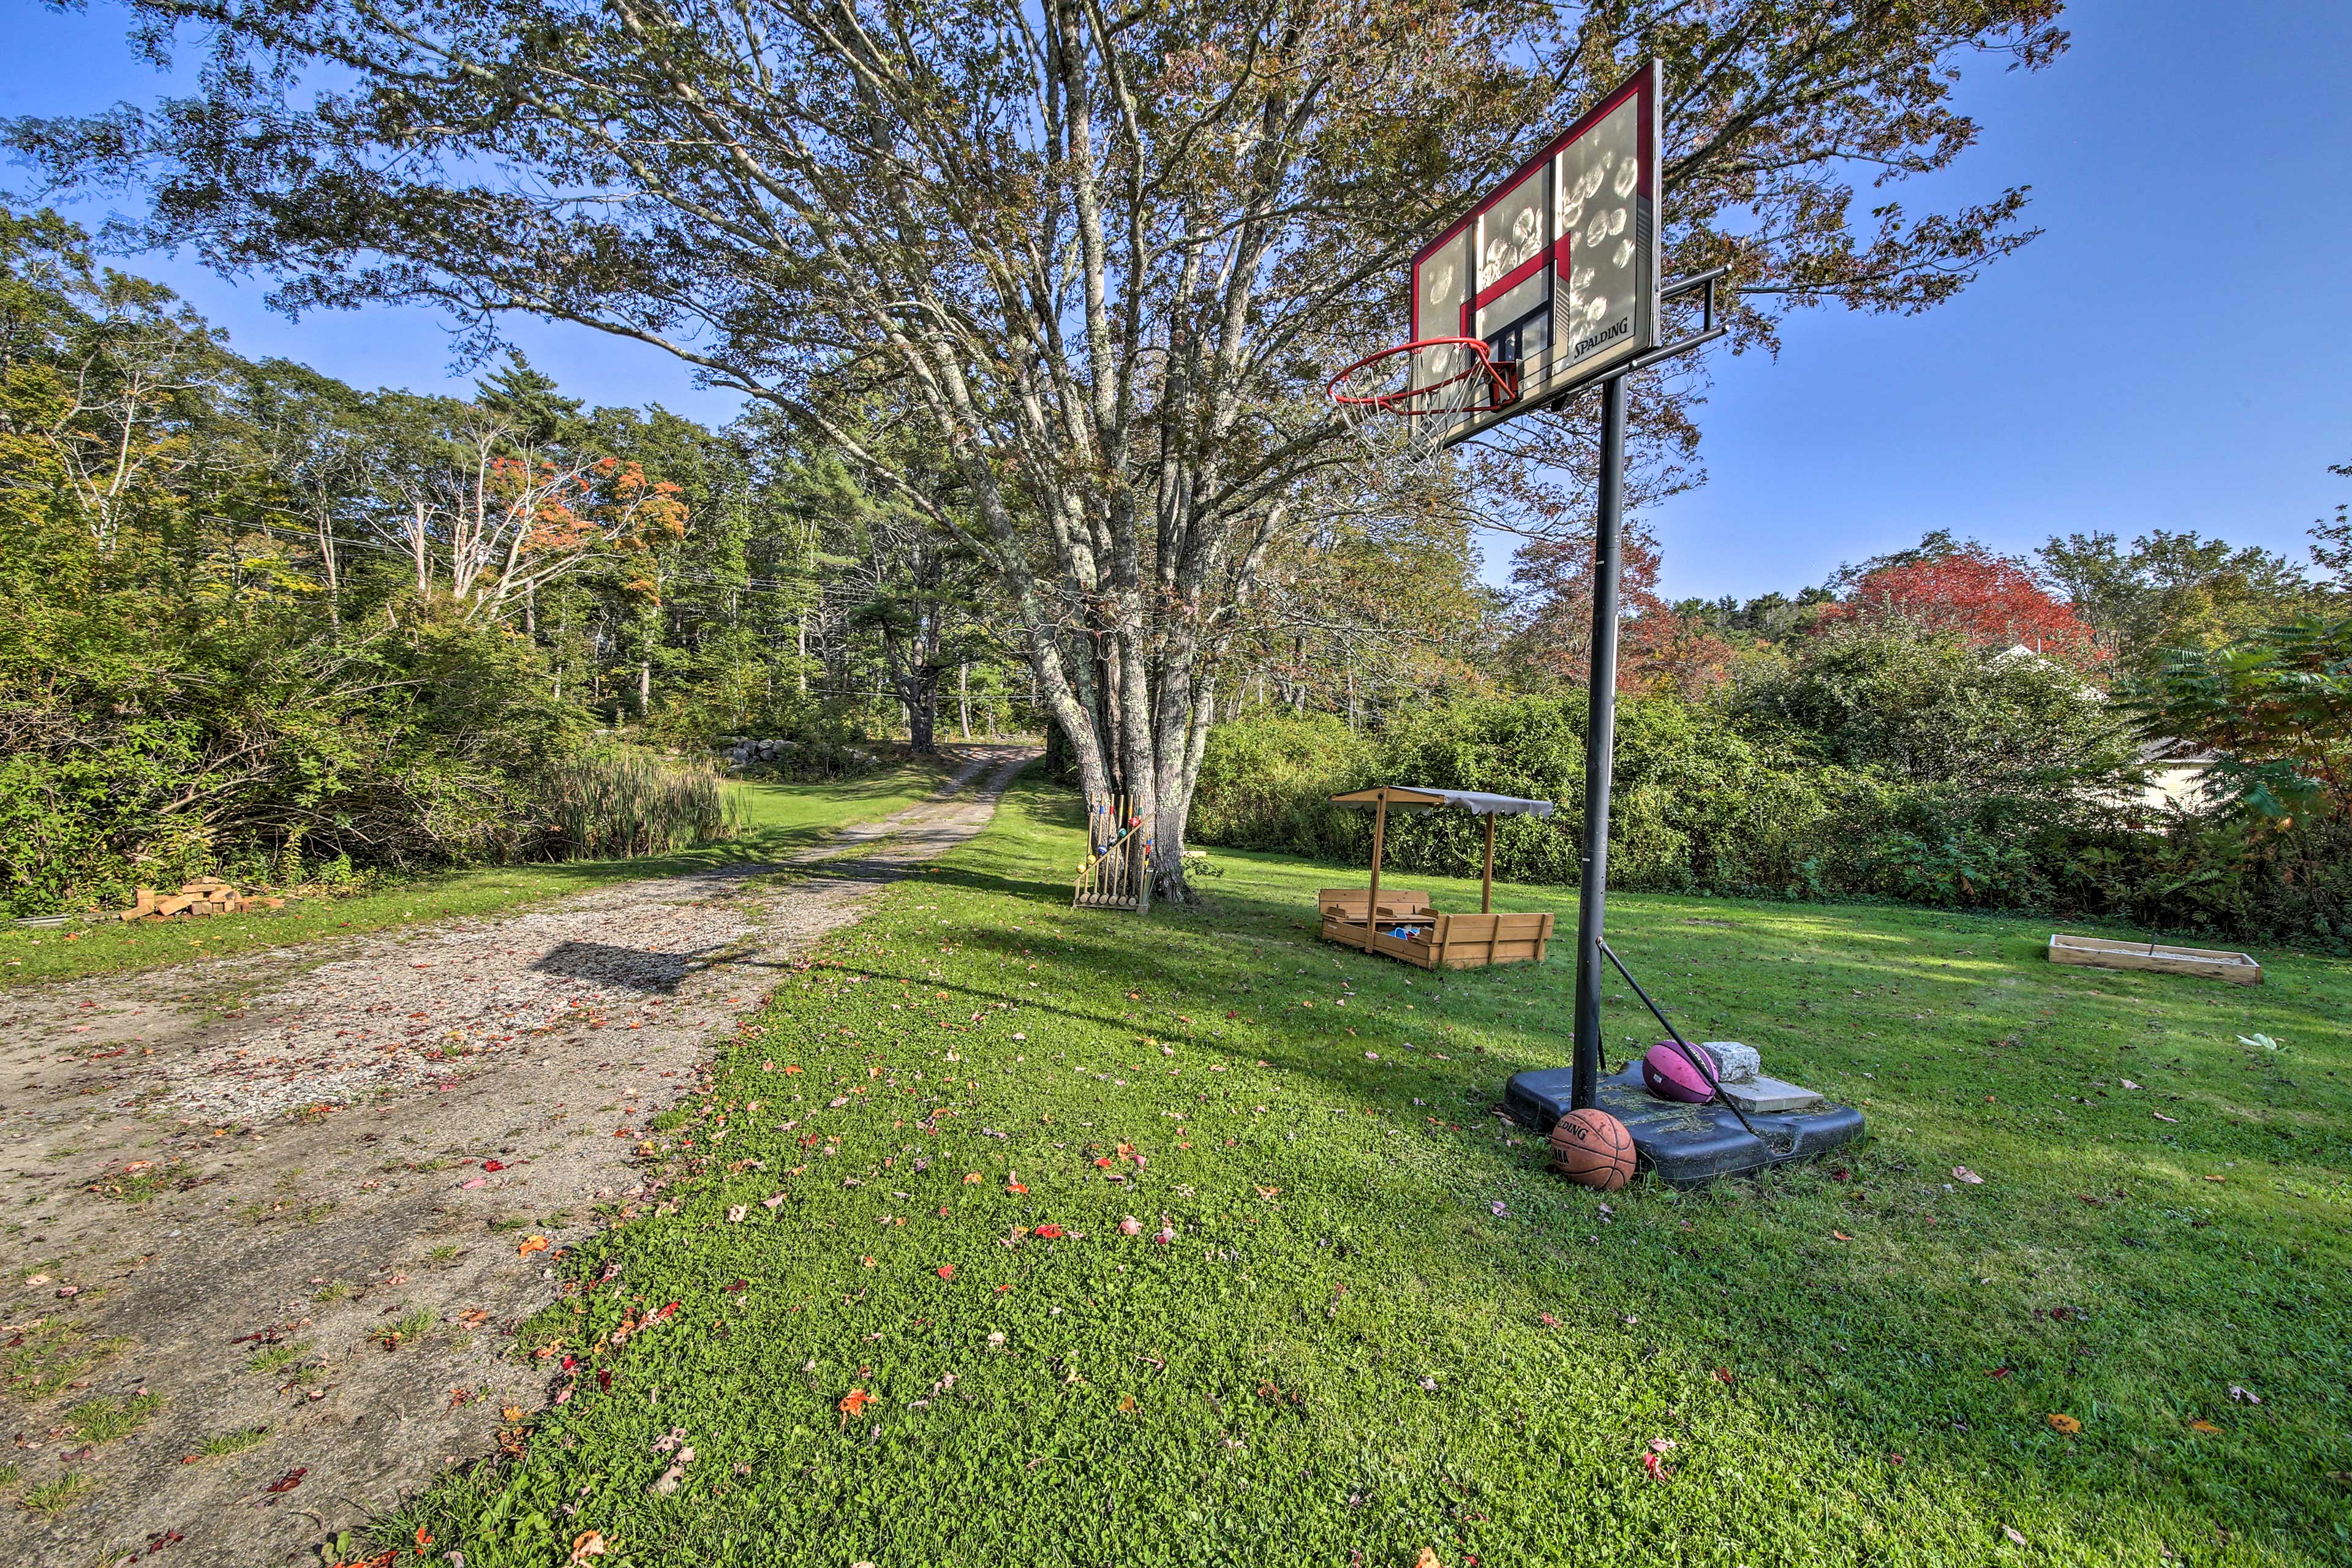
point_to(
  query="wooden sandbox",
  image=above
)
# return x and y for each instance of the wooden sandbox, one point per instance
(1434, 940)
(1401, 924)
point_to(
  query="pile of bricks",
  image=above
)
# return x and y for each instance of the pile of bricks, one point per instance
(204, 896)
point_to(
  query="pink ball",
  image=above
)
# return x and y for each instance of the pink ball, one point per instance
(1669, 1075)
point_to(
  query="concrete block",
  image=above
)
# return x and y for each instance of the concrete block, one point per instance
(1770, 1094)
(1740, 1063)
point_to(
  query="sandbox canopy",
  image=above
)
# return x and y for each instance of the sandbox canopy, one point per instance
(1475, 801)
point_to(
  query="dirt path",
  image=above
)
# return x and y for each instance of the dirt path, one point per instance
(225, 1188)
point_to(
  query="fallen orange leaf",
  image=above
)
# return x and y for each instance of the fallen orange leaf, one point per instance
(1841, 1236)
(589, 1543)
(2202, 1427)
(970, 1178)
(945, 1271)
(535, 1244)
(2065, 1424)
(855, 1400)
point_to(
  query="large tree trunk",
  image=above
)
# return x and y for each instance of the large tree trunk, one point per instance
(915, 682)
(922, 713)
(1139, 731)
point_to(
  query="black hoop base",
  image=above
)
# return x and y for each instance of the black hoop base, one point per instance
(1686, 1145)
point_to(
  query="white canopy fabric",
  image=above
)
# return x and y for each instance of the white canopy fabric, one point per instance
(1476, 803)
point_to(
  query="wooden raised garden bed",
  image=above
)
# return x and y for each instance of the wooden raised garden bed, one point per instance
(2205, 962)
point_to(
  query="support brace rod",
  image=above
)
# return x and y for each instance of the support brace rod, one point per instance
(1712, 1078)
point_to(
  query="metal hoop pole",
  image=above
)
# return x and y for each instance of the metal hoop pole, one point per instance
(1599, 747)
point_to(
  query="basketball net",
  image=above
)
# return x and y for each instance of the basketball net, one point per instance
(1406, 404)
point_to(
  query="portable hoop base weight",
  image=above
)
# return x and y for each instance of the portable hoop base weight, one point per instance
(1686, 1145)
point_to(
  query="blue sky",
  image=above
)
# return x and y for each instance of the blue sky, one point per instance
(2175, 352)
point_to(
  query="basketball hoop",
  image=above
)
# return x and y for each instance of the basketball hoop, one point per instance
(1407, 401)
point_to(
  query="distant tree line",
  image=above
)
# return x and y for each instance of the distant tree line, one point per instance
(1941, 725)
(1031, 309)
(253, 619)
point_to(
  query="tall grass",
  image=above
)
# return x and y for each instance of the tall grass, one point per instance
(613, 801)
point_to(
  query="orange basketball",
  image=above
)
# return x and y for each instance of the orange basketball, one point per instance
(1592, 1149)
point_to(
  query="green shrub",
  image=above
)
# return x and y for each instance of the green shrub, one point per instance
(2239, 880)
(254, 748)
(1930, 710)
(1700, 805)
(1694, 805)
(1267, 782)
(614, 800)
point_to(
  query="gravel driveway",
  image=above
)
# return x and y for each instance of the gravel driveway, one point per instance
(269, 1221)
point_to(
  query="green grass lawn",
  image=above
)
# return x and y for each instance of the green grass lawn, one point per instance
(1380, 1326)
(778, 819)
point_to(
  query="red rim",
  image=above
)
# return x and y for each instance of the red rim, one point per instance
(1500, 380)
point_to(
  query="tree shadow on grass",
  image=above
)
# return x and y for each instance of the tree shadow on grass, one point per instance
(1457, 1340)
(630, 968)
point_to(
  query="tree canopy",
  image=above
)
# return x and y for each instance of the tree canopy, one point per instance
(1104, 257)
(2167, 590)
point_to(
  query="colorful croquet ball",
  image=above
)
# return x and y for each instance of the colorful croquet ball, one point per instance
(1670, 1075)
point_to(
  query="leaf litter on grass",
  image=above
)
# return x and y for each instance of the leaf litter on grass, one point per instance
(1358, 1196)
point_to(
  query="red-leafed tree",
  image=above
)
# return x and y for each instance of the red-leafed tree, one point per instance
(1657, 649)
(1668, 651)
(1551, 589)
(1967, 591)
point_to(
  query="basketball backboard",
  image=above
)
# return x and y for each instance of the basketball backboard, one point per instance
(1555, 270)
